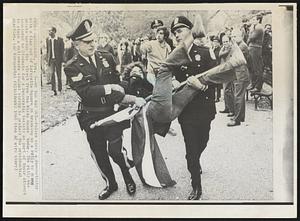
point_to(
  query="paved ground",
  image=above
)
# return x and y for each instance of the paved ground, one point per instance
(237, 163)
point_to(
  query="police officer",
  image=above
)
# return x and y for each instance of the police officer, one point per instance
(94, 77)
(196, 117)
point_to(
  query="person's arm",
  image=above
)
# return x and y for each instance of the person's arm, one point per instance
(90, 93)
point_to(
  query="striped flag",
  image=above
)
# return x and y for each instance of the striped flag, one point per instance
(149, 162)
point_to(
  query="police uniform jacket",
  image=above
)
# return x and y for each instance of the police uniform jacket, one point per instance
(88, 81)
(203, 105)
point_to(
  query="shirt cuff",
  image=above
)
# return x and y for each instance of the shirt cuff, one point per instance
(107, 89)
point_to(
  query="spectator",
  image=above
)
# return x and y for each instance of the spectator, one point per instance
(70, 52)
(156, 24)
(227, 87)
(144, 40)
(125, 55)
(104, 45)
(255, 41)
(55, 57)
(241, 82)
(216, 48)
(245, 29)
(136, 50)
(157, 51)
(267, 47)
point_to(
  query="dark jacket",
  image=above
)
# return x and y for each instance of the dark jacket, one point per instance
(203, 105)
(89, 83)
(256, 36)
(59, 50)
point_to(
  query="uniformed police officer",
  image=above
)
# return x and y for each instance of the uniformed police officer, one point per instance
(94, 77)
(196, 117)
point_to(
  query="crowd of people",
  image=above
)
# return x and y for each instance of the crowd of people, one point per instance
(100, 69)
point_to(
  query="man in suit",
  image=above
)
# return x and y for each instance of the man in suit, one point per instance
(94, 77)
(196, 117)
(55, 58)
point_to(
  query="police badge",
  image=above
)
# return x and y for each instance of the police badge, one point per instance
(105, 63)
(197, 57)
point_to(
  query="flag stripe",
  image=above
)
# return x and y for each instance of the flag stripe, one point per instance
(147, 162)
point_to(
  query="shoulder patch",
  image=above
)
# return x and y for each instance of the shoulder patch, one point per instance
(77, 78)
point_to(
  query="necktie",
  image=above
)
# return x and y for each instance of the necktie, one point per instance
(91, 62)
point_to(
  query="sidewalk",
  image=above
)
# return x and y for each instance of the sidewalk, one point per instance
(237, 163)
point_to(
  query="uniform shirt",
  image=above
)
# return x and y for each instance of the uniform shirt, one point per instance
(203, 105)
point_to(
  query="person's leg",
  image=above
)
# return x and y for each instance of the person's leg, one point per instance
(195, 138)
(49, 71)
(115, 147)
(53, 79)
(252, 67)
(58, 72)
(228, 97)
(119, 155)
(239, 100)
(99, 153)
(259, 72)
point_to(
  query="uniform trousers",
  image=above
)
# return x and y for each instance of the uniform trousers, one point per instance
(104, 142)
(196, 137)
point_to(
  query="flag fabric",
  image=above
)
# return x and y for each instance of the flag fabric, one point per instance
(149, 162)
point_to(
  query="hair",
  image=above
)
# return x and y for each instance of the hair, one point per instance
(124, 43)
(53, 29)
(229, 38)
(259, 18)
(222, 34)
(268, 25)
(165, 30)
(129, 67)
(245, 20)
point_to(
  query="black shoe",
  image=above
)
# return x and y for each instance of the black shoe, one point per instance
(233, 123)
(48, 83)
(224, 111)
(108, 191)
(130, 184)
(55, 93)
(195, 194)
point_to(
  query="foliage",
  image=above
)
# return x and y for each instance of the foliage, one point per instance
(133, 24)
